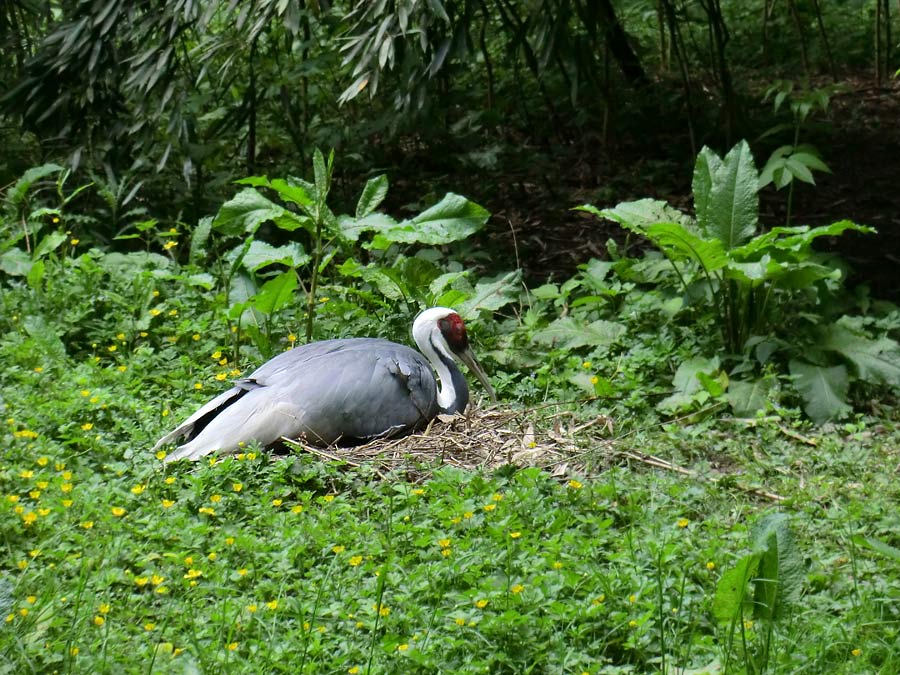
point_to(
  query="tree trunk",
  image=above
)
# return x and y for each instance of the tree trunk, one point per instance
(619, 45)
(824, 35)
(719, 37)
(795, 15)
(677, 45)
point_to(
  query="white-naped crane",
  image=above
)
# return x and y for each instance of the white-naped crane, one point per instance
(339, 392)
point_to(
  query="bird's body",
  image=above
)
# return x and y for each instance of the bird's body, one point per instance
(337, 391)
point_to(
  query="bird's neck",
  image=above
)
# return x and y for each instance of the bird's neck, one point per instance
(453, 392)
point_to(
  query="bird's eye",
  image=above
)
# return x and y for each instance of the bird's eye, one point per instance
(454, 331)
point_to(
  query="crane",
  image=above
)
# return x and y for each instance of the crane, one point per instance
(341, 391)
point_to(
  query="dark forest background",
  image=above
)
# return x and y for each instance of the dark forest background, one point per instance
(528, 107)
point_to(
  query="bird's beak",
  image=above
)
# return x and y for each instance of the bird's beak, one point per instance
(467, 357)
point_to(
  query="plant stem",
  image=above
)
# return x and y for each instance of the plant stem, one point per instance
(314, 282)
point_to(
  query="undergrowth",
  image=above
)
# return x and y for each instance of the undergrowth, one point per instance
(114, 564)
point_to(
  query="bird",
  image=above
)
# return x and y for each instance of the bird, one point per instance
(339, 392)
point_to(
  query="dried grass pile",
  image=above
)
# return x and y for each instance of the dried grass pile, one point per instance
(486, 439)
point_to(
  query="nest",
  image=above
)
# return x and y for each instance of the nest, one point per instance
(486, 439)
(489, 438)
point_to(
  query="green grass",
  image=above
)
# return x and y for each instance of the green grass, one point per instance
(113, 564)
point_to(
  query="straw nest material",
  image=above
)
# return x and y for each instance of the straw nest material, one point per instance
(548, 437)
(485, 439)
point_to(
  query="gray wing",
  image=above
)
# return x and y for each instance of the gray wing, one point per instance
(324, 392)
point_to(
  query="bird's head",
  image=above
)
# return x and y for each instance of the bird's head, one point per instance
(442, 330)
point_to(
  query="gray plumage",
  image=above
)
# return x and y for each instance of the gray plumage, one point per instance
(335, 391)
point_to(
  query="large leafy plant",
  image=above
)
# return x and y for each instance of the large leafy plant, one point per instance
(374, 255)
(756, 282)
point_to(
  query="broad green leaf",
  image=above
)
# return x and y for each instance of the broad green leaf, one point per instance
(322, 171)
(715, 384)
(17, 192)
(36, 274)
(747, 398)
(801, 238)
(732, 602)
(128, 263)
(733, 207)
(824, 390)
(780, 574)
(878, 546)
(450, 298)
(546, 292)
(592, 384)
(246, 211)
(811, 161)
(687, 383)
(441, 282)
(791, 244)
(241, 289)
(491, 293)
(799, 170)
(771, 173)
(276, 293)
(639, 215)
(705, 169)
(15, 262)
(569, 333)
(254, 181)
(388, 281)
(291, 191)
(596, 271)
(203, 280)
(876, 361)
(764, 243)
(804, 275)
(714, 667)
(50, 242)
(419, 273)
(261, 254)
(452, 219)
(372, 195)
(678, 243)
(752, 272)
(351, 228)
(199, 237)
